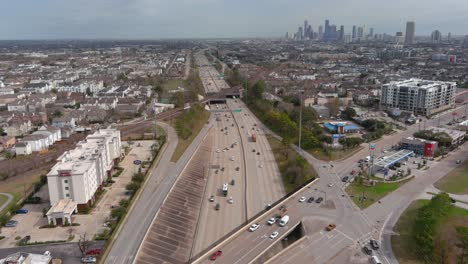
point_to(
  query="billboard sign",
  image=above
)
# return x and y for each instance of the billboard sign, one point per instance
(372, 146)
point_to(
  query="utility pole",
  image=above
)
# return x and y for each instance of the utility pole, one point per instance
(300, 121)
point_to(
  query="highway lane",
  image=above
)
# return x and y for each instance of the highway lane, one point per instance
(214, 224)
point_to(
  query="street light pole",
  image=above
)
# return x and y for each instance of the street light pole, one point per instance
(300, 121)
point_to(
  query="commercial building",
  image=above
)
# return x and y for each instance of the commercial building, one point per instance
(384, 163)
(341, 127)
(456, 135)
(418, 96)
(410, 32)
(80, 172)
(419, 146)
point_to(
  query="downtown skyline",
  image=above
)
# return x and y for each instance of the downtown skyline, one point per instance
(144, 19)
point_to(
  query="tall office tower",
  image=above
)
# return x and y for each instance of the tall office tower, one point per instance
(306, 27)
(436, 37)
(410, 32)
(371, 32)
(353, 36)
(326, 34)
(320, 32)
(286, 36)
(449, 36)
(364, 32)
(310, 32)
(360, 33)
(332, 32)
(341, 33)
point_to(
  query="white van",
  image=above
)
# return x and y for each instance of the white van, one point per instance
(375, 260)
(284, 220)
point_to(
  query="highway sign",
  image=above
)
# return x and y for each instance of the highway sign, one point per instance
(137, 162)
(237, 110)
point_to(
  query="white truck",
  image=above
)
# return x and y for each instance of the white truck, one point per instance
(284, 220)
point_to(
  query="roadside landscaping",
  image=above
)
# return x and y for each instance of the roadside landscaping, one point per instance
(337, 154)
(364, 195)
(294, 169)
(187, 126)
(432, 231)
(456, 181)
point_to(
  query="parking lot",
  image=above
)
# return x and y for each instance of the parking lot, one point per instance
(29, 224)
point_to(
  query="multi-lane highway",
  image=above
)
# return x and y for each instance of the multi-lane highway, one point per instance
(208, 74)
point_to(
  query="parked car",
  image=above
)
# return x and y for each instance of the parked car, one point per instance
(216, 255)
(88, 260)
(302, 199)
(22, 211)
(319, 200)
(96, 251)
(374, 244)
(274, 235)
(47, 253)
(11, 223)
(458, 161)
(254, 227)
(330, 227)
(311, 199)
(367, 250)
(330, 184)
(345, 179)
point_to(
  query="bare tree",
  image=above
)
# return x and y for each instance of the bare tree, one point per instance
(84, 243)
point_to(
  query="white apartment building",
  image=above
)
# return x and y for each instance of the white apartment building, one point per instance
(80, 172)
(418, 96)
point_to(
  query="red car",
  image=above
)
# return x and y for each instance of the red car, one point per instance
(216, 255)
(96, 251)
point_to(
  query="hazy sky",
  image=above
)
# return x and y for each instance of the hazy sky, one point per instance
(52, 19)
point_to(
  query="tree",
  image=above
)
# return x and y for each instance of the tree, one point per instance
(349, 112)
(2, 131)
(57, 113)
(178, 99)
(84, 244)
(462, 235)
(54, 91)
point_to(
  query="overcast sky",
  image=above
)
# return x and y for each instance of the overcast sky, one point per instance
(153, 19)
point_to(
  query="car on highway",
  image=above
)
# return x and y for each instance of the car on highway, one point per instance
(88, 260)
(11, 223)
(216, 255)
(217, 207)
(260, 166)
(374, 244)
(254, 227)
(330, 184)
(311, 199)
(375, 260)
(218, 151)
(319, 200)
(274, 235)
(345, 179)
(232, 158)
(330, 227)
(253, 150)
(231, 201)
(258, 153)
(367, 250)
(272, 220)
(302, 199)
(211, 198)
(458, 161)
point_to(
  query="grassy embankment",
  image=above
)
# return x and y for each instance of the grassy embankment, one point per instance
(456, 181)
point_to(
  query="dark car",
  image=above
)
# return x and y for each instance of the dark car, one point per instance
(22, 211)
(367, 250)
(216, 255)
(217, 207)
(311, 199)
(374, 244)
(319, 200)
(345, 179)
(11, 223)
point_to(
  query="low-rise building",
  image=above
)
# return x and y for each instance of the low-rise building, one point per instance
(419, 146)
(456, 135)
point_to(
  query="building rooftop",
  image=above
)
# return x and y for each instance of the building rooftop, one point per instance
(419, 83)
(63, 206)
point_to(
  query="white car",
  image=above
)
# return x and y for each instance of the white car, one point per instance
(88, 260)
(231, 201)
(271, 221)
(330, 184)
(260, 166)
(47, 253)
(218, 151)
(232, 158)
(302, 199)
(274, 235)
(254, 227)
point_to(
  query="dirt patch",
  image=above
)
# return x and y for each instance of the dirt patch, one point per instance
(329, 204)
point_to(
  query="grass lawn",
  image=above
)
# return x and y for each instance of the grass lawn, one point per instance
(403, 244)
(3, 199)
(456, 181)
(16, 198)
(371, 193)
(172, 84)
(183, 144)
(278, 148)
(335, 154)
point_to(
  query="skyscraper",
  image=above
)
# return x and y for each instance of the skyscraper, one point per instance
(410, 32)
(371, 32)
(341, 33)
(436, 37)
(299, 33)
(332, 32)
(306, 28)
(326, 34)
(353, 36)
(360, 33)
(320, 32)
